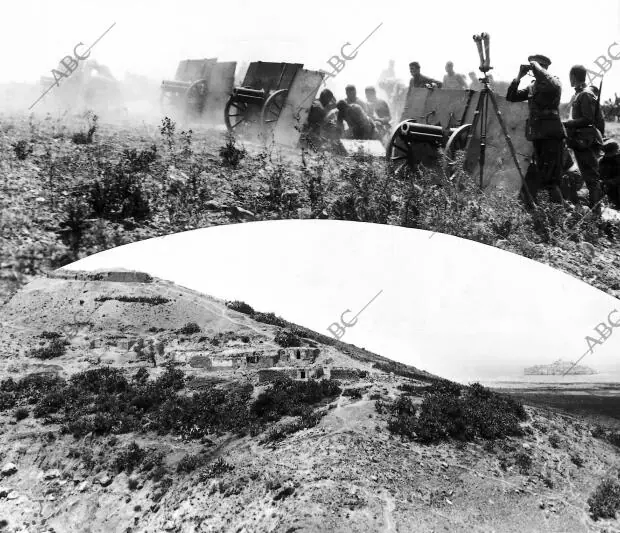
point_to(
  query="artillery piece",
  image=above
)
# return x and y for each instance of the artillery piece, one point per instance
(257, 104)
(433, 119)
(199, 86)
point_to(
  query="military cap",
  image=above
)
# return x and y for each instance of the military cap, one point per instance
(370, 89)
(540, 59)
(350, 88)
(414, 64)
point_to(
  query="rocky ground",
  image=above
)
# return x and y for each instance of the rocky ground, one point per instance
(348, 472)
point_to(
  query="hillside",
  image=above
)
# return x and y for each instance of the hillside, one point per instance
(207, 424)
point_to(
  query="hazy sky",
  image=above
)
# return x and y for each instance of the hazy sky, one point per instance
(150, 37)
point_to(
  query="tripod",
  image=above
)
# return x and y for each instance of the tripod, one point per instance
(480, 121)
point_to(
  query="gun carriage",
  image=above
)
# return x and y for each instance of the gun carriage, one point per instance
(257, 104)
(200, 86)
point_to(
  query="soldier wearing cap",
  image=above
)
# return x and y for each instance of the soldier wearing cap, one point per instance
(584, 133)
(543, 128)
(353, 99)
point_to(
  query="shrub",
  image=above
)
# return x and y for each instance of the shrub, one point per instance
(50, 335)
(55, 348)
(604, 502)
(189, 463)
(403, 421)
(140, 161)
(352, 393)
(129, 459)
(555, 440)
(287, 339)
(190, 328)
(132, 483)
(82, 137)
(216, 469)
(577, 460)
(230, 154)
(270, 318)
(21, 413)
(523, 462)
(288, 397)
(117, 195)
(22, 149)
(479, 412)
(240, 307)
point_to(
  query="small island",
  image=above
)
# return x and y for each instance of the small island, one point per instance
(559, 367)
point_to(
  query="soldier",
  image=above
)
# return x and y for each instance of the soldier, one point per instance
(543, 128)
(317, 129)
(360, 124)
(377, 107)
(353, 99)
(452, 80)
(584, 136)
(417, 81)
(610, 171)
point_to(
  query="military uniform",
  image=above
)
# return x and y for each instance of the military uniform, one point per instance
(610, 172)
(585, 138)
(544, 129)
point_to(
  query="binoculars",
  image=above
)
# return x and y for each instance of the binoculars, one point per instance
(484, 51)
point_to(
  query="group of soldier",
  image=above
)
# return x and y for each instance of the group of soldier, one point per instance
(566, 152)
(365, 120)
(370, 119)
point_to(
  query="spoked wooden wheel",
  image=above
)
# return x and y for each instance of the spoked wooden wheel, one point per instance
(457, 142)
(195, 98)
(271, 110)
(404, 150)
(400, 151)
(238, 115)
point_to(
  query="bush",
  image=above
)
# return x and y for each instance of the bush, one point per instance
(287, 339)
(21, 413)
(132, 483)
(55, 348)
(448, 413)
(523, 462)
(190, 328)
(240, 307)
(216, 469)
(288, 398)
(230, 154)
(271, 319)
(129, 459)
(189, 463)
(140, 161)
(22, 149)
(604, 502)
(353, 393)
(577, 460)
